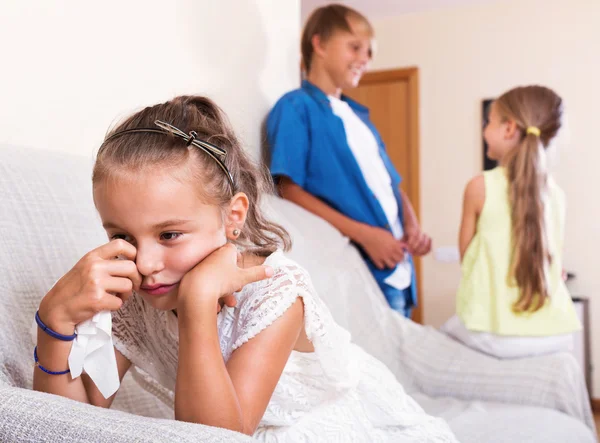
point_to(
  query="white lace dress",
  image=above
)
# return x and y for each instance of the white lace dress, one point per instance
(338, 393)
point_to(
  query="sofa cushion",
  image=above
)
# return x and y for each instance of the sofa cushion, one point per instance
(475, 422)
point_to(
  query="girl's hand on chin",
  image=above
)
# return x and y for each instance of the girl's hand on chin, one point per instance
(215, 279)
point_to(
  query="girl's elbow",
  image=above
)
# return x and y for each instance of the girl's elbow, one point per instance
(249, 428)
(232, 425)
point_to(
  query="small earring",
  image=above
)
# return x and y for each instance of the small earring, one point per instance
(236, 232)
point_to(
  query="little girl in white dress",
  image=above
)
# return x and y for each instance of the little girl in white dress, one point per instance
(235, 340)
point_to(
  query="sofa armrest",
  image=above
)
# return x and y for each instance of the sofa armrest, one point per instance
(35, 416)
(442, 367)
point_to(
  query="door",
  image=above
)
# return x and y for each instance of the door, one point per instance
(392, 98)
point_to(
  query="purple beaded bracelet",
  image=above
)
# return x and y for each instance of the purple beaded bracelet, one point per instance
(50, 332)
(47, 371)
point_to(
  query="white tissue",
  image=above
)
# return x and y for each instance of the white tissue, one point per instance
(93, 353)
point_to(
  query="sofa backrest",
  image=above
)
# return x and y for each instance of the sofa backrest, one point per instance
(47, 222)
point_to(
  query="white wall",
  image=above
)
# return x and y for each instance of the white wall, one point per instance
(70, 68)
(471, 53)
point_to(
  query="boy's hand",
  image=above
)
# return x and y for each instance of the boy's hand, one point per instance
(380, 245)
(419, 243)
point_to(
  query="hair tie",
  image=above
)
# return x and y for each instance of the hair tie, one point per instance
(534, 130)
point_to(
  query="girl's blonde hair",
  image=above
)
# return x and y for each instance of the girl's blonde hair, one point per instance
(537, 112)
(324, 22)
(133, 152)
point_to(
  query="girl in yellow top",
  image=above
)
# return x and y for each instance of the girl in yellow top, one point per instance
(512, 301)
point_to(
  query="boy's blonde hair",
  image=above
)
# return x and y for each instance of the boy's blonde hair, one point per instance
(324, 22)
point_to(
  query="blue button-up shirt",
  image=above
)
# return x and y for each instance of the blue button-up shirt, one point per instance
(308, 144)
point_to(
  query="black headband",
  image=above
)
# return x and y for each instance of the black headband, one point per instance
(216, 153)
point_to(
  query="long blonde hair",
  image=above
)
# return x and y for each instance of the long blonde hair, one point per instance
(137, 151)
(532, 108)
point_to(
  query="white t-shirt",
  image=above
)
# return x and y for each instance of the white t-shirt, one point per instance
(365, 149)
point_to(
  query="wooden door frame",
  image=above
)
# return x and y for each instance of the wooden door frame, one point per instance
(411, 76)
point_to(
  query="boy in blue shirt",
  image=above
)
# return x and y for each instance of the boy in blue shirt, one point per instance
(327, 156)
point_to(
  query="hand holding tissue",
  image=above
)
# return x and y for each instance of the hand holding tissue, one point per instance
(85, 296)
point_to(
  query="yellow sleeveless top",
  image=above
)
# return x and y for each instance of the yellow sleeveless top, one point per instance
(486, 293)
